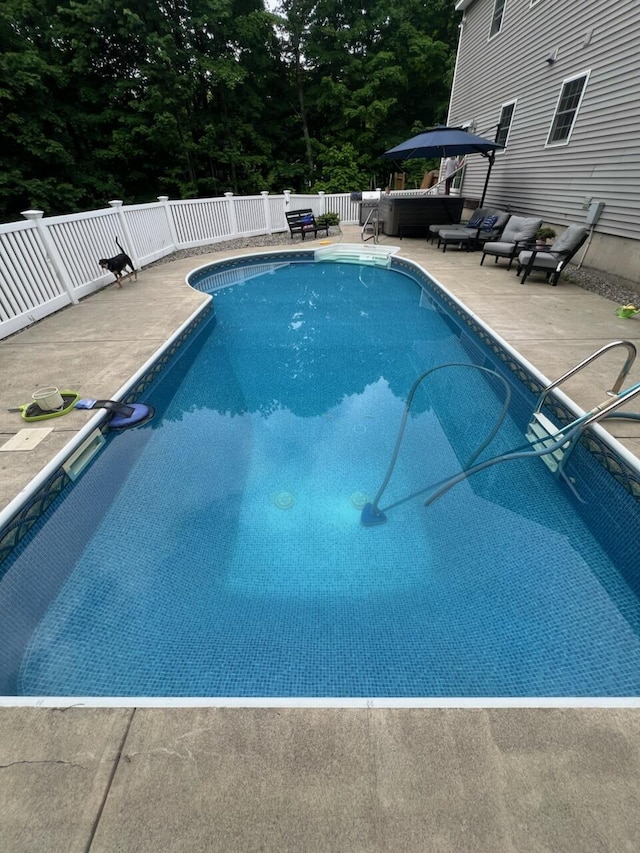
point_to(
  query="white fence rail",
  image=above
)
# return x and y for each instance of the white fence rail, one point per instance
(29, 288)
(49, 262)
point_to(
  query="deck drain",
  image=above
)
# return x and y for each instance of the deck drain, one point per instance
(359, 499)
(360, 429)
(284, 500)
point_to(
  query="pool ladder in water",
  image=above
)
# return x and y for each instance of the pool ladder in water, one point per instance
(551, 443)
(542, 432)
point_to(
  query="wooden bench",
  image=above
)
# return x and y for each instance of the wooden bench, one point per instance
(303, 222)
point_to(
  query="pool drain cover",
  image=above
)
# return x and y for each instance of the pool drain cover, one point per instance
(359, 499)
(284, 500)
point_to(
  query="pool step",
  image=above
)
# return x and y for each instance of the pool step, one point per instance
(355, 253)
(542, 432)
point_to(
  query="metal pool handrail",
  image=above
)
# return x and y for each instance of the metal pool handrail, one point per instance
(626, 367)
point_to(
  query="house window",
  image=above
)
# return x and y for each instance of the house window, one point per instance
(504, 125)
(496, 20)
(567, 109)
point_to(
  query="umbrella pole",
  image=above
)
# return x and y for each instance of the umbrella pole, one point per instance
(491, 156)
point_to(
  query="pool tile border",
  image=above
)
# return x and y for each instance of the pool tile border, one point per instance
(628, 478)
(39, 503)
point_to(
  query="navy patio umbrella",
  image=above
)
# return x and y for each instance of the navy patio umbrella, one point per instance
(443, 141)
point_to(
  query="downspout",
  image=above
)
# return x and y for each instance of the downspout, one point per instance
(453, 86)
(455, 67)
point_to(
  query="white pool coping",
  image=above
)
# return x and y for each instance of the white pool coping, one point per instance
(321, 702)
(307, 702)
(31, 489)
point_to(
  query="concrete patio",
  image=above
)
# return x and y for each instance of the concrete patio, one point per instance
(311, 779)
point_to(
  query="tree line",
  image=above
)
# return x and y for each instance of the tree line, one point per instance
(131, 99)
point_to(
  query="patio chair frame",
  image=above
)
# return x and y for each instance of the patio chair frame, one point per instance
(553, 275)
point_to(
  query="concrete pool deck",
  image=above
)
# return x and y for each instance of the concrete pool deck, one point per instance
(311, 779)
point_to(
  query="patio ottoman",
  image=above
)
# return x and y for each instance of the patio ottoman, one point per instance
(464, 237)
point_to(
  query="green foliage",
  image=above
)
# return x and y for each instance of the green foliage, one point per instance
(328, 219)
(340, 170)
(107, 99)
(545, 233)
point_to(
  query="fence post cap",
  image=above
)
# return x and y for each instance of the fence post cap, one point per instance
(264, 192)
(32, 214)
(228, 195)
(163, 198)
(320, 192)
(117, 202)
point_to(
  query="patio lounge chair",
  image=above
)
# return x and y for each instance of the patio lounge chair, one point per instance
(477, 216)
(555, 260)
(493, 226)
(519, 233)
(484, 225)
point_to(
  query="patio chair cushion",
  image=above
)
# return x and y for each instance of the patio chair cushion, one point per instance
(465, 236)
(454, 234)
(493, 226)
(479, 212)
(543, 260)
(519, 229)
(503, 218)
(498, 247)
(567, 241)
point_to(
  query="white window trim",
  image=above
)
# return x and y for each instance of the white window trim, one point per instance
(514, 101)
(586, 75)
(504, 12)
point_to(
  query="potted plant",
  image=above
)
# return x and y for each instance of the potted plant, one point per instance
(542, 235)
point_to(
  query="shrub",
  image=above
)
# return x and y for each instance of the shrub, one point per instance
(328, 219)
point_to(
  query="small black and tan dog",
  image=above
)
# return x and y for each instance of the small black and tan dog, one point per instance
(118, 265)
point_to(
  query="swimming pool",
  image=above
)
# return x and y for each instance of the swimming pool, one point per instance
(217, 551)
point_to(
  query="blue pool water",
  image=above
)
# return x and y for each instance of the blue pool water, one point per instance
(217, 551)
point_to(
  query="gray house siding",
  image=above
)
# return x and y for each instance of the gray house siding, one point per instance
(602, 158)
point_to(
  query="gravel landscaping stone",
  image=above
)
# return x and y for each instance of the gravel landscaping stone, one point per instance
(263, 241)
(619, 290)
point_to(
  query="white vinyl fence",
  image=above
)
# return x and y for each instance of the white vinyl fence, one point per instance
(49, 262)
